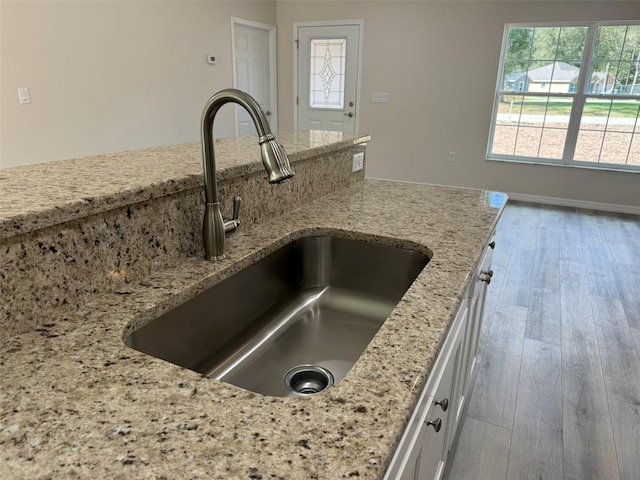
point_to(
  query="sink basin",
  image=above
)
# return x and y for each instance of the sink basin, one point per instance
(293, 323)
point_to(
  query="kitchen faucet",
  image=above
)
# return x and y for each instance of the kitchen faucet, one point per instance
(274, 159)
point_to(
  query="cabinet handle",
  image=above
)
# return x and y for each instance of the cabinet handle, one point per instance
(436, 424)
(492, 245)
(444, 404)
(487, 276)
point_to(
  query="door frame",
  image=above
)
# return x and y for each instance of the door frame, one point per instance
(273, 67)
(328, 23)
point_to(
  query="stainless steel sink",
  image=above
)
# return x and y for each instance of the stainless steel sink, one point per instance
(293, 323)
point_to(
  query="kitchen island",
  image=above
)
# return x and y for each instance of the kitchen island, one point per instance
(77, 403)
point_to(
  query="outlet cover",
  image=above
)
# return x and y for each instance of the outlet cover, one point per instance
(357, 162)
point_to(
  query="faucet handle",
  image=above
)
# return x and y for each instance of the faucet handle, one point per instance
(232, 225)
(237, 200)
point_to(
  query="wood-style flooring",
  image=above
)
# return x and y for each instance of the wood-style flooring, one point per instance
(557, 390)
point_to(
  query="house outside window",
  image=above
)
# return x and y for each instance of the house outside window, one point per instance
(577, 101)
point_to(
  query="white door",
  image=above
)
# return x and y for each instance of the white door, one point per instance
(327, 77)
(253, 56)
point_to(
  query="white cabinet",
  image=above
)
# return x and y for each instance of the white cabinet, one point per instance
(424, 446)
(470, 339)
(478, 293)
(458, 391)
(411, 466)
(436, 425)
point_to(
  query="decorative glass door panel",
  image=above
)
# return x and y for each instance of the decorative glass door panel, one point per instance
(327, 72)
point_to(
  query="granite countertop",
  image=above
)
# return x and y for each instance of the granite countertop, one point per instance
(83, 190)
(77, 403)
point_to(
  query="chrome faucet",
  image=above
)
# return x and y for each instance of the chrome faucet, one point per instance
(274, 158)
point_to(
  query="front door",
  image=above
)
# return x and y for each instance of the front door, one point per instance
(328, 74)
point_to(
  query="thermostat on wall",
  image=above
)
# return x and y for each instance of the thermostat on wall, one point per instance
(212, 59)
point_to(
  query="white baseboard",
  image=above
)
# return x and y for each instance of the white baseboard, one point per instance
(568, 202)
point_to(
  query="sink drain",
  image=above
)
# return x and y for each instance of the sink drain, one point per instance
(308, 379)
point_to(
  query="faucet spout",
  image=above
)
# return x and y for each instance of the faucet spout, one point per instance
(274, 159)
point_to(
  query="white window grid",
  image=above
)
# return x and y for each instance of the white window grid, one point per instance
(578, 94)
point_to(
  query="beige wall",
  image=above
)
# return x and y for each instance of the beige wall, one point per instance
(108, 76)
(423, 54)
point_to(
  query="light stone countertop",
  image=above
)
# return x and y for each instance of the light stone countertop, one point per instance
(38, 196)
(77, 403)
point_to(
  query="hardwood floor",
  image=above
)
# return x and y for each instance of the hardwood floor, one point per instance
(557, 391)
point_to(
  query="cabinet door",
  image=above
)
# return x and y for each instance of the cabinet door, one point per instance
(458, 358)
(458, 392)
(411, 470)
(470, 338)
(432, 461)
(437, 424)
(476, 310)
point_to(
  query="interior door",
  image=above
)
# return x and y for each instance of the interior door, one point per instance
(328, 64)
(252, 58)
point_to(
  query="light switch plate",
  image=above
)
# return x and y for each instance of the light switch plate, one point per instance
(380, 97)
(23, 95)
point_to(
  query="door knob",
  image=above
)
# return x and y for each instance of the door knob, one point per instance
(350, 114)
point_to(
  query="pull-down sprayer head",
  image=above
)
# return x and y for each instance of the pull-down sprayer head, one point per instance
(275, 160)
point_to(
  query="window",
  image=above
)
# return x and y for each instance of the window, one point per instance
(569, 95)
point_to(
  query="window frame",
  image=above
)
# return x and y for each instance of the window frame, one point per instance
(578, 96)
